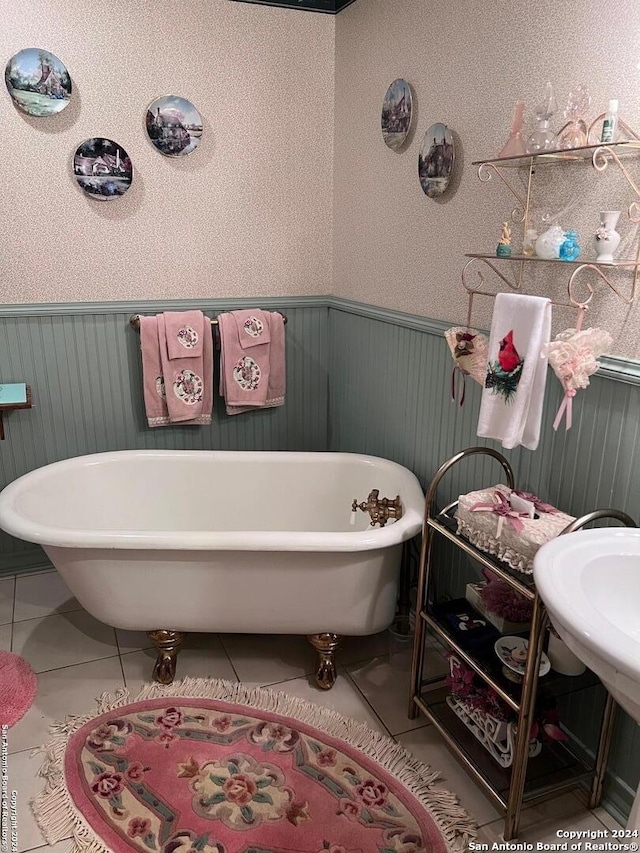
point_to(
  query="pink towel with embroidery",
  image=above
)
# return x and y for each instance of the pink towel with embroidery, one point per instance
(253, 378)
(185, 333)
(188, 381)
(152, 378)
(253, 328)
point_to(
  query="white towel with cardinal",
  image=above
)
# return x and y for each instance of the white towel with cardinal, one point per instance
(511, 408)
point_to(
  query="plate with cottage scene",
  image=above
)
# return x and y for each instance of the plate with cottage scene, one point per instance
(102, 168)
(396, 114)
(38, 82)
(436, 159)
(174, 125)
(513, 651)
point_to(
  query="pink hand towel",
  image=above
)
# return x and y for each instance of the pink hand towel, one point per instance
(231, 373)
(244, 378)
(152, 377)
(253, 328)
(185, 333)
(188, 381)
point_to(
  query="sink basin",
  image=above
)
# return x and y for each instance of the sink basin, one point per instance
(590, 584)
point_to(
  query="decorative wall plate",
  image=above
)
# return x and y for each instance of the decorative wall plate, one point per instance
(396, 114)
(102, 168)
(38, 82)
(174, 125)
(436, 160)
(512, 651)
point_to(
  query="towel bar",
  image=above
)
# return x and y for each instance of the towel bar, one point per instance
(134, 320)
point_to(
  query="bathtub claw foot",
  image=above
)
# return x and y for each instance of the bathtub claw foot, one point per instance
(325, 645)
(168, 645)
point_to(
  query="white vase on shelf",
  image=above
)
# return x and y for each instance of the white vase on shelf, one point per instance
(607, 239)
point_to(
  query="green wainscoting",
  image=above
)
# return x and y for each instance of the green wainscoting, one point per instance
(83, 364)
(390, 379)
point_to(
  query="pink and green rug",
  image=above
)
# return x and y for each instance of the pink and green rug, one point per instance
(214, 767)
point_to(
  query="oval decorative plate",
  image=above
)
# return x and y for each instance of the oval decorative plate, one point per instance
(102, 168)
(396, 114)
(174, 125)
(436, 160)
(512, 651)
(38, 82)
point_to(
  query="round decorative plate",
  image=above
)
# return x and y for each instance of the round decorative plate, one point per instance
(174, 125)
(396, 114)
(436, 160)
(102, 168)
(38, 82)
(512, 651)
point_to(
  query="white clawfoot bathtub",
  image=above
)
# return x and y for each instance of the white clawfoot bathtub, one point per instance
(170, 541)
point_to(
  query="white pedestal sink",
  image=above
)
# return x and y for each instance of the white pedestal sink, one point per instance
(590, 583)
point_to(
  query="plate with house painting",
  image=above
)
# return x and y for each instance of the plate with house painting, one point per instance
(396, 114)
(38, 82)
(436, 160)
(102, 168)
(174, 125)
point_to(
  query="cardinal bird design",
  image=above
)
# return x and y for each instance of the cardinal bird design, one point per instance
(508, 355)
(504, 374)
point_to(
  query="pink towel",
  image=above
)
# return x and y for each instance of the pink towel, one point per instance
(254, 380)
(155, 402)
(185, 333)
(188, 381)
(253, 328)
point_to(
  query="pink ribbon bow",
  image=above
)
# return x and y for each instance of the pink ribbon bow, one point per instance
(541, 506)
(502, 508)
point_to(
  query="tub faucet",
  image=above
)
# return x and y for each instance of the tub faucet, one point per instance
(380, 509)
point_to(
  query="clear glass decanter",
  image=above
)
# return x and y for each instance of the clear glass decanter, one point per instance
(574, 134)
(543, 138)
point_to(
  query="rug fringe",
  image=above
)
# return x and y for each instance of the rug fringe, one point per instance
(59, 819)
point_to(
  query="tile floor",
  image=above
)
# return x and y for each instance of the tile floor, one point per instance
(77, 658)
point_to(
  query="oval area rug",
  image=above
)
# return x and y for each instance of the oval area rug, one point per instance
(208, 766)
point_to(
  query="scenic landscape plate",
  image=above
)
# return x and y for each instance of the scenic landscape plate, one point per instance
(396, 114)
(436, 159)
(174, 125)
(102, 168)
(512, 651)
(38, 82)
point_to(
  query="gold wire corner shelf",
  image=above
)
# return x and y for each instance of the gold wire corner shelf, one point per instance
(562, 765)
(601, 155)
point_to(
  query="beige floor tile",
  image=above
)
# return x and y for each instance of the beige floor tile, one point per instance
(7, 588)
(387, 689)
(5, 637)
(201, 656)
(60, 847)
(269, 658)
(63, 640)
(23, 778)
(358, 649)
(72, 690)
(540, 824)
(344, 697)
(608, 820)
(42, 595)
(132, 641)
(427, 745)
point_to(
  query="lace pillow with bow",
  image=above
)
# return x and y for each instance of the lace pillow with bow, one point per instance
(572, 355)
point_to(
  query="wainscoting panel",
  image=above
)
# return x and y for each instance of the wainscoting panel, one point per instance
(84, 368)
(390, 395)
